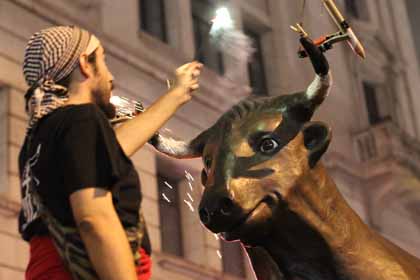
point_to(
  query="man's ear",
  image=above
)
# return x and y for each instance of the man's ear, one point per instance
(85, 67)
(316, 137)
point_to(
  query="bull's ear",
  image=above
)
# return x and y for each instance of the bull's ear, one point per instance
(317, 137)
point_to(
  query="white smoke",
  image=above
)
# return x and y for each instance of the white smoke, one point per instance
(231, 41)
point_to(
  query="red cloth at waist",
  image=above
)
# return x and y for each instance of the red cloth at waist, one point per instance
(45, 262)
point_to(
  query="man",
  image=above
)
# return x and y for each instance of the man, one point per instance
(80, 192)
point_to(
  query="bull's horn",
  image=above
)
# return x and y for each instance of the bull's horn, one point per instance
(178, 148)
(319, 89)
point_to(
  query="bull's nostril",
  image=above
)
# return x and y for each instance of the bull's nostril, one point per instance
(226, 206)
(204, 216)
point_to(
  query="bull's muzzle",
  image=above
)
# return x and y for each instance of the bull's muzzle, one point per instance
(218, 212)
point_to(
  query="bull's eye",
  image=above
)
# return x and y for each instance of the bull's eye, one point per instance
(268, 145)
(207, 162)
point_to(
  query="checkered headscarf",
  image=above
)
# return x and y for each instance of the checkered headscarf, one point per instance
(51, 55)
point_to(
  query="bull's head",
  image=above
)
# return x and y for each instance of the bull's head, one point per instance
(255, 155)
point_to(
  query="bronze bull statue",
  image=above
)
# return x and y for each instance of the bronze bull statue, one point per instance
(264, 185)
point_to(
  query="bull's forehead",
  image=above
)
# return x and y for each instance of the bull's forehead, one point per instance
(245, 131)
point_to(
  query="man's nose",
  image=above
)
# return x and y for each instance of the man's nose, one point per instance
(111, 77)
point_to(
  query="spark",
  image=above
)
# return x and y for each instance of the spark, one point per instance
(219, 254)
(189, 176)
(190, 197)
(125, 107)
(165, 197)
(168, 185)
(216, 236)
(189, 205)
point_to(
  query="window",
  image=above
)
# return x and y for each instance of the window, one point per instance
(256, 71)
(375, 103)
(233, 259)
(357, 9)
(170, 216)
(205, 51)
(152, 18)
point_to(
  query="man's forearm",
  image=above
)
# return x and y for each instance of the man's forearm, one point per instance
(108, 249)
(133, 134)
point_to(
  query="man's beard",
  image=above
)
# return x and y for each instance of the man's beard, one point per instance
(109, 110)
(105, 105)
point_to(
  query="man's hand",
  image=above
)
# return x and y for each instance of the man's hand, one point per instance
(186, 81)
(133, 134)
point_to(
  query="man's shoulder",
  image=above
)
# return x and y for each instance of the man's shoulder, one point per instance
(72, 116)
(81, 112)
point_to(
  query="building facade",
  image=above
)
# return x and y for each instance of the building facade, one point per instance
(373, 110)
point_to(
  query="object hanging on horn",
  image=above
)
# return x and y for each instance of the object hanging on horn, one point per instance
(345, 33)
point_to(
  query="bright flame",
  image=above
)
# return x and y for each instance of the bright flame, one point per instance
(222, 20)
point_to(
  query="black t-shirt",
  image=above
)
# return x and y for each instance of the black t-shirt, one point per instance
(73, 148)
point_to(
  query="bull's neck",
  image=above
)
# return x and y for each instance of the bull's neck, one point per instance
(316, 231)
(318, 236)
(317, 203)
(308, 230)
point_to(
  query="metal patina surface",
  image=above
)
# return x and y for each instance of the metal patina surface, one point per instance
(264, 186)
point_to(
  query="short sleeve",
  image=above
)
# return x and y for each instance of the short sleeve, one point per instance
(87, 156)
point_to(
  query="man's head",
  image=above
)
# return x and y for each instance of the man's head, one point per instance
(93, 80)
(64, 64)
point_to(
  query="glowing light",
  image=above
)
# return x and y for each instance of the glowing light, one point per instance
(165, 198)
(230, 40)
(116, 100)
(216, 236)
(222, 20)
